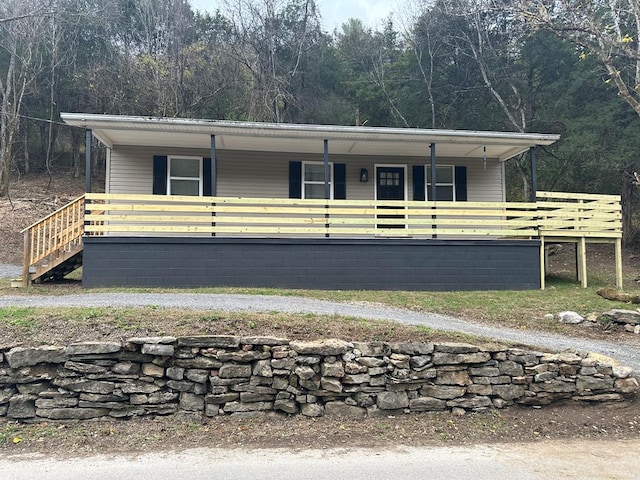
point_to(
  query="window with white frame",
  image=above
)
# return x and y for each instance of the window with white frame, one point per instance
(445, 183)
(313, 179)
(185, 176)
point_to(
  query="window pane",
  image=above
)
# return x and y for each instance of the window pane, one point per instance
(185, 167)
(444, 193)
(444, 175)
(313, 191)
(185, 187)
(313, 172)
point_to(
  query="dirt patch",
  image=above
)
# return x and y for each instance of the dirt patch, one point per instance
(600, 263)
(30, 199)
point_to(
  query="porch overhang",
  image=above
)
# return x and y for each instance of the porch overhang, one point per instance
(112, 130)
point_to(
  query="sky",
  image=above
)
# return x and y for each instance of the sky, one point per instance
(335, 12)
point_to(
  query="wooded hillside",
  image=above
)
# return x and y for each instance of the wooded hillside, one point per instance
(513, 65)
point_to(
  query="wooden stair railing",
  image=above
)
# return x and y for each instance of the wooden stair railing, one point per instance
(52, 240)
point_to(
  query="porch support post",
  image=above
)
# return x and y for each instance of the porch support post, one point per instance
(534, 179)
(327, 173)
(432, 169)
(433, 172)
(87, 155)
(327, 186)
(618, 256)
(214, 179)
(543, 264)
(581, 252)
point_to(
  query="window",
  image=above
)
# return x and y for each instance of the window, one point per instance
(313, 179)
(445, 183)
(390, 179)
(184, 176)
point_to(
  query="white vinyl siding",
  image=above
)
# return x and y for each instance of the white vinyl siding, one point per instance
(266, 174)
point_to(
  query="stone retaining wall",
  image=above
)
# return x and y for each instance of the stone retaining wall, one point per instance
(217, 375)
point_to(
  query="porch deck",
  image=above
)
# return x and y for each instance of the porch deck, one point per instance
(554, 217)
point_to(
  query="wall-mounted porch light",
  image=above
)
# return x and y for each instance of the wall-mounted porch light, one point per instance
(364, 175)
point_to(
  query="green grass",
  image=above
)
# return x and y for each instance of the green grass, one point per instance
(17, 317)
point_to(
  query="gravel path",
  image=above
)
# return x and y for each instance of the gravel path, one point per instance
(626, 354)
(10, 271)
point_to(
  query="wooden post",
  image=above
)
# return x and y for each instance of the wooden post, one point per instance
(543, 263)
(618, 256)
(26, 259)
(582, 261)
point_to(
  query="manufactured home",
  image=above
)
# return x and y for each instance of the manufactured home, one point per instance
(190, 203)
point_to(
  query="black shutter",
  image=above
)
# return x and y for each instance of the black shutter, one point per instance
(339, 181)
(461, 184)
(418, 183)
(159, 175)
(295, 179)
(206, 177)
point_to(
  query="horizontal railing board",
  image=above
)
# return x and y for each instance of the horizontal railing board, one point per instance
(582, 215)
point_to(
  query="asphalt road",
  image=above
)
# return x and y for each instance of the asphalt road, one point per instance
(570, 460)
(627, 353)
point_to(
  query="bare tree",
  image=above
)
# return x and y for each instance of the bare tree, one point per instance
(20, 35)
(493, 39)
(272, 38)
(609, 30)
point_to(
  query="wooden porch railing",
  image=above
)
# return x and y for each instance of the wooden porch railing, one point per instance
(580, 218)
(557, 217)
(564, 217)
(53, 239)
(553, 215)
(186, 216)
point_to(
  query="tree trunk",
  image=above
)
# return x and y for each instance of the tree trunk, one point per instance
(626, 197)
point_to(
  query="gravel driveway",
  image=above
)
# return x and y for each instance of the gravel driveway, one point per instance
(10, 271)
(626, 354)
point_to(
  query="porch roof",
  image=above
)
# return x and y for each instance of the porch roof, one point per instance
(114, 130)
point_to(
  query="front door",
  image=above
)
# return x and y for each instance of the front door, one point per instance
(390, 186)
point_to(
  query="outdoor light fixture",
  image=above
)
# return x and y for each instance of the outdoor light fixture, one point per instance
(364, 175)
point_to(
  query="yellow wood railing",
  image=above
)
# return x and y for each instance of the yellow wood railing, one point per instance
(579, 215)
(180, 215)
(553, 215)
(53, 237)
(580, 218)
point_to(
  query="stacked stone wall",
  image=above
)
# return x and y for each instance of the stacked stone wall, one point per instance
(222, 375)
